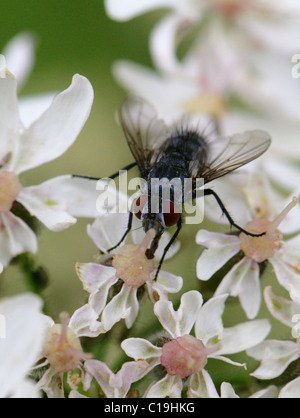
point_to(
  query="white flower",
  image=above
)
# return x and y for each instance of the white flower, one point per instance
(19, 55)
(273, 26)
(248, 195)
(115, 385)
(291, 390)
(227, 392)
(243, 280)
(225, 63)
(21, 345)
(274, 355)
(62, 351)
(98, 279)
(185, 355)
(55, 202)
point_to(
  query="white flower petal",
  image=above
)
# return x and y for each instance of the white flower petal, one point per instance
(119, 10)
(229, 361)
(285, 173)
(166, 283)
(32, 107)
(74, 394)
(166, 92)
(288, 277)
(97, 280)
(283, 41)
(58, 127)
(58, 201)
(269, 392)
(15, 238)
(25, 329)
(84, 322)
(243, 336)
(201, 385)
(52, 213)
(26, 390)
(209, 321)
(138, 348)
(250, 295)
(119, 307)
(163, 43)
(221, 248)
(20, 56)
(134, 308)
(168, 387)
(180, 322)
(243, 281)
(275, 356)
(116, 385)
(107, 230)
(228, 392)
(52, 384)
(94, 276)
(281, 308)
(9, 114)
(291, 390)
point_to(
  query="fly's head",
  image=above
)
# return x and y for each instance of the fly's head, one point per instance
(158, 215)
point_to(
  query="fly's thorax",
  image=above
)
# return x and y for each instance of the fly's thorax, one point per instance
(187, 143)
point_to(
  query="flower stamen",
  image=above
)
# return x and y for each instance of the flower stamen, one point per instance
(131, 263)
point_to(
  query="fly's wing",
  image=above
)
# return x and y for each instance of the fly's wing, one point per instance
(234, 152)
(144, 132)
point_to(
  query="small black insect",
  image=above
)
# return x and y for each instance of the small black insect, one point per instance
(182, 154)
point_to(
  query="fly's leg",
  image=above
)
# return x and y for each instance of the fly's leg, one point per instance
(209, 192)
(175, 235)
(126, 232)
(128, 167)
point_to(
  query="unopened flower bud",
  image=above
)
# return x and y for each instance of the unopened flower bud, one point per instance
(184, 356)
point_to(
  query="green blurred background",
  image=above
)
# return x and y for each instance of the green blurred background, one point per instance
(76, 36)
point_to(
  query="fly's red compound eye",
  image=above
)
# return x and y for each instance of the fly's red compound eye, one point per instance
(138, 206)
(171, 213)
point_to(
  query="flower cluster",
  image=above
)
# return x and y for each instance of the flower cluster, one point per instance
(234, 75)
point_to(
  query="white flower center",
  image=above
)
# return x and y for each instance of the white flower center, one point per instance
(10, 187)
(209, 103)
(62, 347)
(263, 248)
(131, 263)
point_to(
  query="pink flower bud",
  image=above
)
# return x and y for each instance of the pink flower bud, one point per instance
(184, 356)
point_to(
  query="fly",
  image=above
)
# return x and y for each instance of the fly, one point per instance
(160, 153)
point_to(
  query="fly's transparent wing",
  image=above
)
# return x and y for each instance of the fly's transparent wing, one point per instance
(144, 132)
(234, 152)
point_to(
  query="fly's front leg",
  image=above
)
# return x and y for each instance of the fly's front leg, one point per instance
(210, 192)
(175, 235)
(113, 176)
(126, 232)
